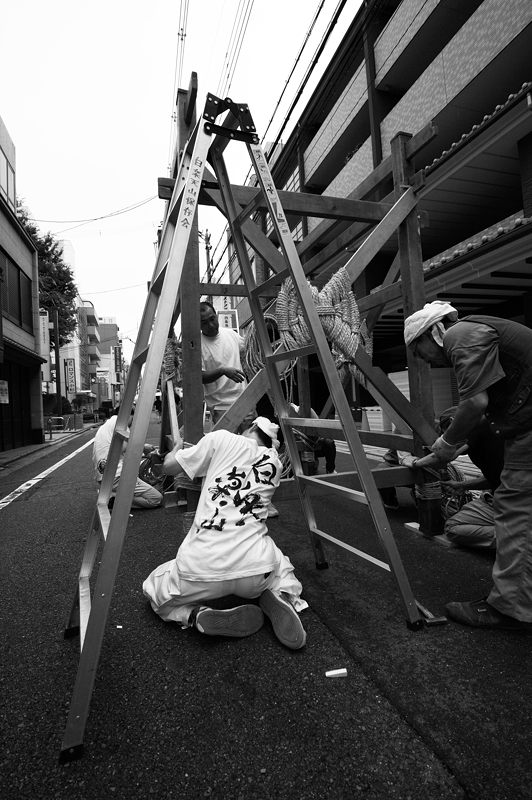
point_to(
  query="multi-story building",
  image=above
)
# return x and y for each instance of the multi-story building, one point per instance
(21, 417)
(465, 68)
(111, 369)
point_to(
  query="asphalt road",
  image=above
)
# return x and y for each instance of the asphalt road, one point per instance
(440, 713)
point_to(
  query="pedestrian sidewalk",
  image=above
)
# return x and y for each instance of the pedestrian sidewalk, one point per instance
(7, 457)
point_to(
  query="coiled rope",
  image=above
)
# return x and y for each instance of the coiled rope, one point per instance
(339, 316)
(450, 501)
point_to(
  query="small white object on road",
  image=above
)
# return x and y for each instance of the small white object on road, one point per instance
(336, 673)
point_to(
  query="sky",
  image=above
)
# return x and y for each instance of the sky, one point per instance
(87, 95)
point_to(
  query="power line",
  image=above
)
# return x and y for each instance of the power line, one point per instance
(310, 69)
(305, 41)
(302, 48)
(80, 222)
(119, 289)
(178, 71)
(236, 39)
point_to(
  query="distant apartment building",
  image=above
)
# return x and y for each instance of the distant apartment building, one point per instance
(111, 366)
(21, 417)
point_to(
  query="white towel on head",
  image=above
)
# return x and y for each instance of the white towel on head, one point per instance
(429, 318)
(269, 428)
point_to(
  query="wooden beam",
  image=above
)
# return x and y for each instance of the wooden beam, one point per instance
(304, 203)
(231, 290)
(406, 411)
(380, 297)
(254, 236)
(189, 111)
(245, 405)
(413, 287)
(390, 277)
(372, 183)
(380, 235)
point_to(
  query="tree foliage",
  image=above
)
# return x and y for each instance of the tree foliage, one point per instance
(57, 289)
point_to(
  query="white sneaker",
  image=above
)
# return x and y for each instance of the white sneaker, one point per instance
(239, 621)
(285, 620)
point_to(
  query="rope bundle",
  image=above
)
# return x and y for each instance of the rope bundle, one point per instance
(339, 316)
(171, 366)
(451, 502)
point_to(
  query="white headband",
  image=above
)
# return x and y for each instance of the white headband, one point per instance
(269, 428)
(429, 318)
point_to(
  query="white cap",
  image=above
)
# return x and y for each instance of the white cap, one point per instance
(269, 428)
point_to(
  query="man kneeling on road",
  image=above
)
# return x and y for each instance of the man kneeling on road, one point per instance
(228, 550)
(145, 496)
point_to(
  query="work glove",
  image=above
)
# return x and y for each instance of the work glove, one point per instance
(443, 450)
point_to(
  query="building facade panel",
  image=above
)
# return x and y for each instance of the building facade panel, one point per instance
(346, 108)
(485, 34)
(399, 32)
(419, 105)
(355, 170)
(491, 28)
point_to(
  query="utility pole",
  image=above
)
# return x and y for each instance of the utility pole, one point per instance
(59, 406)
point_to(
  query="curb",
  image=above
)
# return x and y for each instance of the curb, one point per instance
(44, 446)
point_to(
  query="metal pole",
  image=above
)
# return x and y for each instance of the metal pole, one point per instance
(59, 405)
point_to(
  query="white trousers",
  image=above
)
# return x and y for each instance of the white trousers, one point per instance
(173, 598)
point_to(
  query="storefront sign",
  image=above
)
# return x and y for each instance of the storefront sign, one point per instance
(70, 375)
(228, 318)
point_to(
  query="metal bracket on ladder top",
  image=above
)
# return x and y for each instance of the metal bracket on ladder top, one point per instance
(240, 111)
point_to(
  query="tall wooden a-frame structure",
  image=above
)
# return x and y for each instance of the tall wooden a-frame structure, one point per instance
(201, 171)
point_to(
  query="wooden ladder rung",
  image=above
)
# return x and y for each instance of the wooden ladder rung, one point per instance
(351, 494)
(312, 422)
(266, 286)
(141, 356)
(356, 551)
(287, 355)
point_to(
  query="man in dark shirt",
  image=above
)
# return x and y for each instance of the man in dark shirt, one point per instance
(492, 361)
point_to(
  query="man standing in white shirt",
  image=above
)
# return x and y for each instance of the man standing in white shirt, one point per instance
(228, 550)
(221, 369)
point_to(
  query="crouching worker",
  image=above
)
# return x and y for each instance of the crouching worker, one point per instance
(145, 496)
(473, 525)
(228, 550)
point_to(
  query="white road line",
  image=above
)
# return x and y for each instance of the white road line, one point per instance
(5, 501)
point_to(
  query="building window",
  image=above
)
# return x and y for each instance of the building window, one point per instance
(25, 302)
(3, 173)
(16, 297)
(11, 185)
(7, 179)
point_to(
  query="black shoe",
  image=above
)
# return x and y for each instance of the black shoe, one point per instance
(480, 614)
